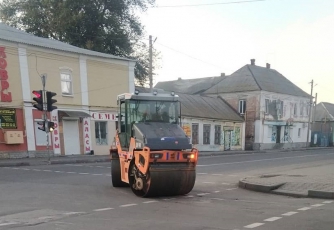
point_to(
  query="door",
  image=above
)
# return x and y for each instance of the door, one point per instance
(227, 140)
(278, 135)
(71, 137)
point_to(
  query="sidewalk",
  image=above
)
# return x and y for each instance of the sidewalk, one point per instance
(316, 182)
(79, 159)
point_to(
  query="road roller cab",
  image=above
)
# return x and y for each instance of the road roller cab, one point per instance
(151, 152)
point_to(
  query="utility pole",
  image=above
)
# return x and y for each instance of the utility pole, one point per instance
(315, 104)
(151, 60)
(45, 117)
(309, 115)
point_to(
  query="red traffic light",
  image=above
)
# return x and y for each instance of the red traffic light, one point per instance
(37, 93)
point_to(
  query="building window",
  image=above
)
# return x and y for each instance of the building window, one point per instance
(242, 106)
(206, 134)
(299, 132)
(267, 106)
(295, 109)
(101, 133)
(66, 83)
(217, 134)
(194, 134)
(301, 109)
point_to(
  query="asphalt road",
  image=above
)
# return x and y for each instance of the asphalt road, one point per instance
(81, 197)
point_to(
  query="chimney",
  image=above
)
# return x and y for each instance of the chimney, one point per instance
(252, 61)
(222, 74)
(268, 66)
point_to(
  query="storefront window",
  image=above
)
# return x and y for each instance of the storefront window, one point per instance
(101, 133)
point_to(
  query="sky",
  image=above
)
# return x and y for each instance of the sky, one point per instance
(295, 36)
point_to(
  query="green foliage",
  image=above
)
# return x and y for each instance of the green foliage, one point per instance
(108, 26)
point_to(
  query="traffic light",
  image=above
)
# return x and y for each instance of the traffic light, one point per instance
(42, 123)
(51, 126)
(39, 99)
(50, 101)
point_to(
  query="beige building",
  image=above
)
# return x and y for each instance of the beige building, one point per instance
(86, 82)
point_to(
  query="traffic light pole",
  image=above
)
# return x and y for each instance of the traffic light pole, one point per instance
(45, 117)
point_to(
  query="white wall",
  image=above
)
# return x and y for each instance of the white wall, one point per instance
(288, 102)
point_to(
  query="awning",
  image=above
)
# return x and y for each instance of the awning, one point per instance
(75, 113)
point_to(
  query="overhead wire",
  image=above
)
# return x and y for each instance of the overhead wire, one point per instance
(209, 4)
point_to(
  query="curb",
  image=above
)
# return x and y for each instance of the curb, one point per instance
(320, 194)
(259, 187)
(271, 189)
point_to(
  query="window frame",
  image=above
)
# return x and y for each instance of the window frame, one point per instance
(266, 105)
(218, 134)
(99, 141)
(242, 106)
(194, 133)
(206, 134)
(66, 71)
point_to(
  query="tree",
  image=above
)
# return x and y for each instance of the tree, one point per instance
(108, 26)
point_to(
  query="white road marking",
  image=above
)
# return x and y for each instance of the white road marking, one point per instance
(254, 225)
(202, 194)
(6, 224)
(73, 213)
(71, 172)
(189, 196)
(201, 173)
(173, 198)
(102, 209)
(216, 191)
(58, 171)
(47, 171)
(269, 159)
(208, 182)
(327, 202)
(317, 205)
(289, 213)
(230, 189)
(217, 174)
(97, 174)
(217, 199)
(150, 201)
(127, 205)
(304, 209)
(83, 173)
(15, 168)
(233, 175)
(37, 170)
(273, 219)
(25, 169)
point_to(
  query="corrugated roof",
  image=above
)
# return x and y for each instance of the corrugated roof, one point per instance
(197, 106)
(190, 86)
(324, 110)
(15, 35)
(253, 78)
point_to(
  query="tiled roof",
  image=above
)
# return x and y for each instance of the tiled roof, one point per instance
(256, 78)
(197, 106)
(190, 86)
(324, 111)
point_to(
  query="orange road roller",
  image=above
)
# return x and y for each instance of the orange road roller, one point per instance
(151, 152)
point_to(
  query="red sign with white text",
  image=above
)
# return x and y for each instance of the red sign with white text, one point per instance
(5, 95)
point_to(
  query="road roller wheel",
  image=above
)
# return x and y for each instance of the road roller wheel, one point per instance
(116, 174)
(167, 180)
(137, 181)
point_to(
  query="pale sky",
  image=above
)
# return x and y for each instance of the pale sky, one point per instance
(295, 36)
